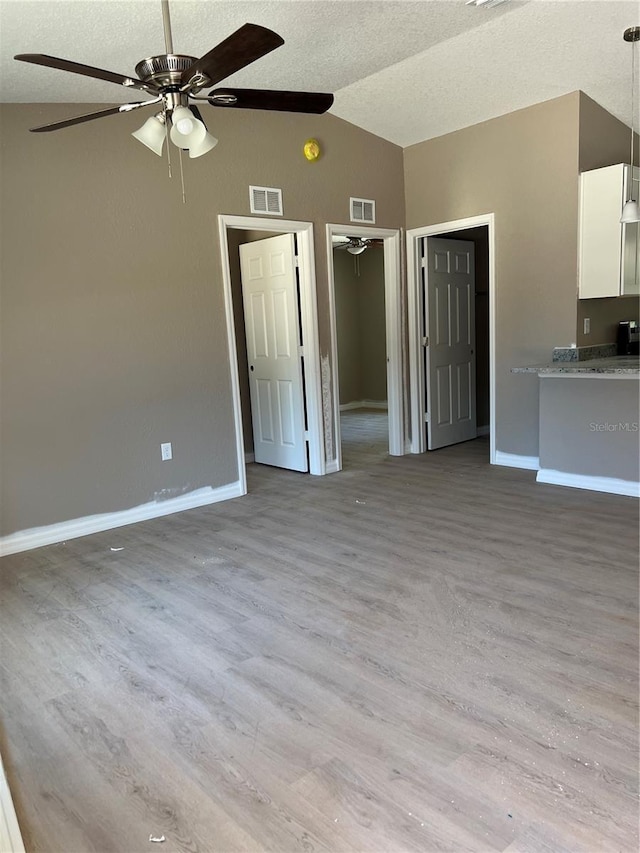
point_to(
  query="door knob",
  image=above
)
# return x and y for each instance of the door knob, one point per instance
(251, 368)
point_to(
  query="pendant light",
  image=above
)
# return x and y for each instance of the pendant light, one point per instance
(631, 211)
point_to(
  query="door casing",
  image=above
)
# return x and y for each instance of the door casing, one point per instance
(308, 320)
(393, 315)
(416, 362)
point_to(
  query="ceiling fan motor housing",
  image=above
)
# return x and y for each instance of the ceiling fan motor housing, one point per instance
(164, 70)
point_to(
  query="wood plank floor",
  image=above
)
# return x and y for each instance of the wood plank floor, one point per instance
(415, 654)
(365, 437)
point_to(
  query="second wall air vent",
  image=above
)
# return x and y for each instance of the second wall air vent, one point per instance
(266, 200)
(362, 210)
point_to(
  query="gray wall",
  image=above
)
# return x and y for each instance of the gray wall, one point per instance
(580, 427)
(360, 325)
(113, 332)
(373, 324)
(524, 168)
(604, 141)
(347, 326)
(112, 324)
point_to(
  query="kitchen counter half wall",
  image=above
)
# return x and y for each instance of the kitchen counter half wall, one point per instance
(620, 366)
(589, 431)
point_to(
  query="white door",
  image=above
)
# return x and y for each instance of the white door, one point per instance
(270, 297)
(450, 370)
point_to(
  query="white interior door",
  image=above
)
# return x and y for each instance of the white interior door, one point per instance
(270, 297)
(448, 268)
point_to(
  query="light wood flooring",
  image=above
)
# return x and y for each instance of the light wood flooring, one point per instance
(416, 654)
(365, 437)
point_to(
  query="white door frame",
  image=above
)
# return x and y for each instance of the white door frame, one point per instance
(309, 322)
(414, 301)
(393, 315)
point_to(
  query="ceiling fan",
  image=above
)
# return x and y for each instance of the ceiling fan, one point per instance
(355, 245)
(174, 80)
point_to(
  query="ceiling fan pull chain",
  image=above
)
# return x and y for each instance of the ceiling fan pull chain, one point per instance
(166, 126)
(166, 23)
(184, 197)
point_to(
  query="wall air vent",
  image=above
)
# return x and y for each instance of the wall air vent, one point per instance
(266, 200)
(362, 210)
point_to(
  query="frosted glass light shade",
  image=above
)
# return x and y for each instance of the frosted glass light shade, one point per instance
(202, 145)
(197, 142)
(152, 134)
(186, 140)
(356, 250)
(179, 139)
(183, 121)
(630, 212)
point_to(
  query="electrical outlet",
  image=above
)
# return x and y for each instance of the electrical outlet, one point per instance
(166, 451)
(586, 325)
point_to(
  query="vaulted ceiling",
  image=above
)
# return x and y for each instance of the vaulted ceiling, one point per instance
(407, 70)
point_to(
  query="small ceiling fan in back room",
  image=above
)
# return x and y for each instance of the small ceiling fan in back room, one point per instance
(355, 245)
(173, 81)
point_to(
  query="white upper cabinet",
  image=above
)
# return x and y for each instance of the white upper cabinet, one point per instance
(609, 252)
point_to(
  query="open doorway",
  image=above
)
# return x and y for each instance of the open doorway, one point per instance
(477, 234)
(236, 231)
(358, 277)
(364, 290)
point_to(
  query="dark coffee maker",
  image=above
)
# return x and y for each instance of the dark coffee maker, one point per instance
(628, 337)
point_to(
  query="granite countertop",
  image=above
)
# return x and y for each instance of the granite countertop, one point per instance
(615, 365)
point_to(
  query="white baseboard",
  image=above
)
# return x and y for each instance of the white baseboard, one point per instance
(611, 485)
(331, 467)
(483, 430)
(36, 537)
(249, 457)
(513, 460)
(10, 835)
(364, 404)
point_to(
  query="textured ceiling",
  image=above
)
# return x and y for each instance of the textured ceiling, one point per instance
(404, 70)
(542, 50)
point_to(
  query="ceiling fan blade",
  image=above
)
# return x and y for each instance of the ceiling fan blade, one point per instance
(86, 70)
(194, 109)
(241, 48)
(123, 108)
(268, 99)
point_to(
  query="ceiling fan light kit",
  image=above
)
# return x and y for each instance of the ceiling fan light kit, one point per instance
(174, 80)
(190, 134)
